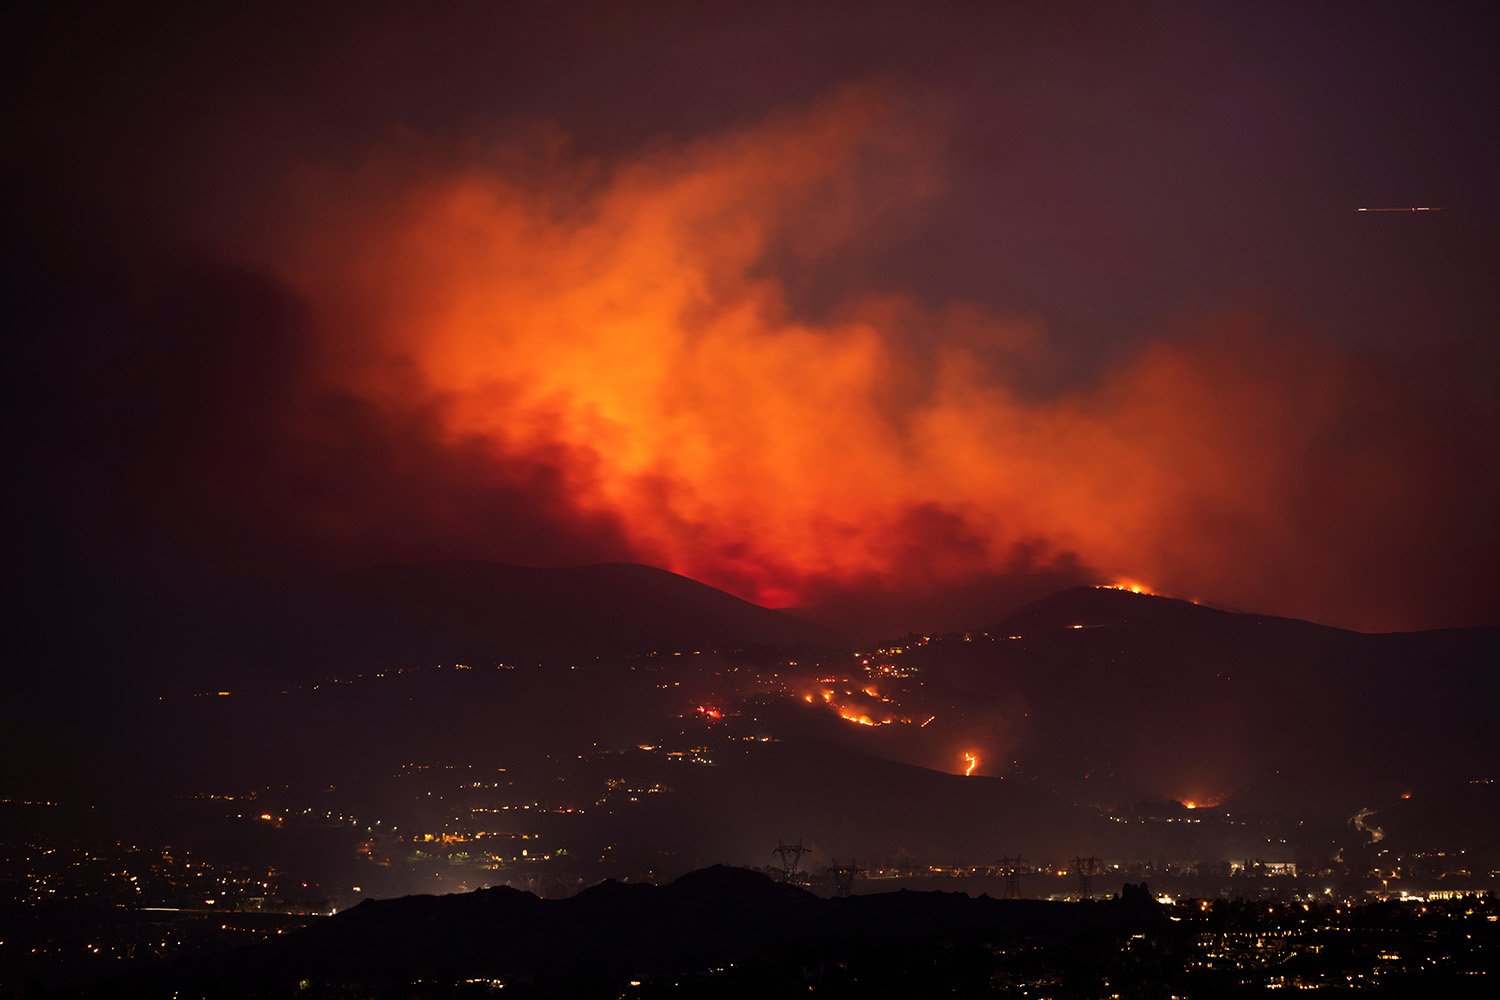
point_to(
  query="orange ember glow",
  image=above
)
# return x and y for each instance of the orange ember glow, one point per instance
(855, 707)
(971, 761)
(636, 337)
(1134, 586)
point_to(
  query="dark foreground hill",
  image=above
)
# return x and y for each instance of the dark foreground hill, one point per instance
(714, 932)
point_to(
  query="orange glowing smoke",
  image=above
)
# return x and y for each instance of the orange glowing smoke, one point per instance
(971, 761)
(623, 331)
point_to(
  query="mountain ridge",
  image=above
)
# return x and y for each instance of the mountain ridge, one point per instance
(473, 610)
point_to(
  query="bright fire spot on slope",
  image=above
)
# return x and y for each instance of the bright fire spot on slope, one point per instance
(1133, 586)
(1208, 803)
(1137, 587)
(847, 706)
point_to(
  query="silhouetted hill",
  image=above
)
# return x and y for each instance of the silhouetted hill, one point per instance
(849, 804)
(1164, 694)
(727, 930)
(1091, 607)
(484, 612)
(879, 617)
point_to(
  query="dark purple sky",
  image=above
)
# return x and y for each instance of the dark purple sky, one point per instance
(1128, 179)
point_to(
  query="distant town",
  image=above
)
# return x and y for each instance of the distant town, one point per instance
(1268, 898)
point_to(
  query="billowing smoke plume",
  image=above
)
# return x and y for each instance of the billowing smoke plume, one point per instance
(622, 354)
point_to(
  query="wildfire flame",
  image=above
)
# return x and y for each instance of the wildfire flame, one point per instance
(863, 720)
(1210, 802)
(848, 705)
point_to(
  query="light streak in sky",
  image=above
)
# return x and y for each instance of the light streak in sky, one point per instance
(1417, 208)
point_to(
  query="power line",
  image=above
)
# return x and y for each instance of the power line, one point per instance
(1086, 868)
(791, 857)
(843, 876)
(1013, 869)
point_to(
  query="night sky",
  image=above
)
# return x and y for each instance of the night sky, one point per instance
(800, 300)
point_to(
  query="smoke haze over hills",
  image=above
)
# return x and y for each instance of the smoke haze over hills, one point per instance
(882, 304)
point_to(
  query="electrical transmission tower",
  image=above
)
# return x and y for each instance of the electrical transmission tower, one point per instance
(1086, 868)
(1013, 869)
(843, 876)
(791, 857)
